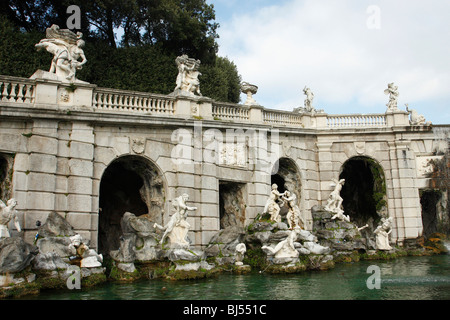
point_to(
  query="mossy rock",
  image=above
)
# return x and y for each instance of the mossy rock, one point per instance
(286, 269)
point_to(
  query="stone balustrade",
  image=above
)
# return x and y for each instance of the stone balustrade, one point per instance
(277, 117)
(130, 101)
(356, 120)
(44, 92)
(16, 90)
(230, 111)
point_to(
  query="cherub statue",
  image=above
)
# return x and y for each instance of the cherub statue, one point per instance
(187, 79)
(8, 213)
(293, 215)
(382, 233)
(334, 203)
(66, 48)
(272, 207)
(178, 227)
(393, 93)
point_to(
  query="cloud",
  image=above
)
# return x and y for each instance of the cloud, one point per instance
(345, 51)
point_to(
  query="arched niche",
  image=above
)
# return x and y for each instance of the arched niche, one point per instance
(364, 191)
(129, 184)
(287, 177)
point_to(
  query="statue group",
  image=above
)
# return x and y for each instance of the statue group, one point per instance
(277, 200)
(66, 47)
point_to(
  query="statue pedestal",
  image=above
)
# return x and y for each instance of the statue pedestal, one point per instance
(54, 91)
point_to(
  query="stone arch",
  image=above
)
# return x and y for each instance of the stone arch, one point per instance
(130, 183)
(364, 192)
(287, 177)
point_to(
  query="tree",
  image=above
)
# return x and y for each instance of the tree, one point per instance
(154, 33)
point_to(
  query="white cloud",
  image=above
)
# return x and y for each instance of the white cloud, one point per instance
(327, 46)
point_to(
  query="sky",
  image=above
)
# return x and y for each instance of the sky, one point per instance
(345, 51)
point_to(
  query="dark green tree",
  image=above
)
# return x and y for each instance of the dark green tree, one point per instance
(130, 44)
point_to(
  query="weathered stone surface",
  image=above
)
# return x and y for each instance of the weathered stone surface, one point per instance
(182, 254)
(261, 226)
(15, 254)
(56, 225)
(315, 248)
(57, 245)
(48, 261)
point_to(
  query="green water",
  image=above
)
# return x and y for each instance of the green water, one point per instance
(417, 278)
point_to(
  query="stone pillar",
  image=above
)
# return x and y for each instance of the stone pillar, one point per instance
(256, 114)
(397, 118)
(82, 203)
(404, 192)
(34, 175)
(325, 170)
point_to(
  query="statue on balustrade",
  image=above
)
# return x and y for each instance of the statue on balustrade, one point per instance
(416, 119)
(309, 99)
(187, 79)
(66, 47)
(8, 213)
(393, 93)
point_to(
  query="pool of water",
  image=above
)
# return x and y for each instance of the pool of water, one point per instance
(416, 278)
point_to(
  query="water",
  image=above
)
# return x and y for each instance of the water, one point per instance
(416, 278)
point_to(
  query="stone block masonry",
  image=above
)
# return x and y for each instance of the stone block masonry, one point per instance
(62, 149)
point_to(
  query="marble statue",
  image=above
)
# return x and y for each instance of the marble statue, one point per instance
(309, 99)
(286, 248)
(240, 251)
(8, 213)
(392, 91)
(272, 207)
(382, 233)
(187, 79)
(177, 228)
(293, 215)
(249, 90)
(334, 203)
(67, 51)
(416, 119)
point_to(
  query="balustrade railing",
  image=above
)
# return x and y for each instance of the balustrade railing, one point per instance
(16, 90)
(230, 112)
(130, 101)
(278, 117)
(356, 120)
(23, 91)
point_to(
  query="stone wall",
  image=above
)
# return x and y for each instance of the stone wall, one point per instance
(62, 149)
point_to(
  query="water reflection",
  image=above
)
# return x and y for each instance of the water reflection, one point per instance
(418, 278)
